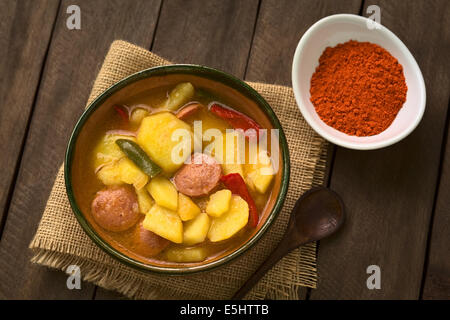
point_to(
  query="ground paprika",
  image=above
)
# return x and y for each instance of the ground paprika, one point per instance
(358, 88)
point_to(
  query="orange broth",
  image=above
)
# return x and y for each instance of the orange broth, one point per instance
(84, 173)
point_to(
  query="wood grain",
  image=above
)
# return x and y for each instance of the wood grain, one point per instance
(437, 277)
(280, 26)
(389, 193)
(196, 32)
(25, 31)
(213, 33)
(74, 59)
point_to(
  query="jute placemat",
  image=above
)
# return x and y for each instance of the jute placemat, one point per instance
(60, 241)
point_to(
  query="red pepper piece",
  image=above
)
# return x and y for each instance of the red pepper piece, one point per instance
(236, 184)
(122, 113)
(236, 119)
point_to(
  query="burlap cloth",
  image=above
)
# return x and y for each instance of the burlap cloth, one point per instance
(60, 241)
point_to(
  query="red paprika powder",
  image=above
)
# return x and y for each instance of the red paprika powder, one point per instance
(358, 88)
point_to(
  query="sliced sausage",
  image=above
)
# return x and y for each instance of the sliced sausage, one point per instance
(147, 243)
(199, 177)
(116, 208)
(188, 110)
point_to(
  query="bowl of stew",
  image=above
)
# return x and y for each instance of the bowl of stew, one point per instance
(177, 169)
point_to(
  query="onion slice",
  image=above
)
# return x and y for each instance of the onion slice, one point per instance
(122, 132)
(100, 167)
(138, 106)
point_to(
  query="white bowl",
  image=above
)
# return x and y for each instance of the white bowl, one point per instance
(340, 28)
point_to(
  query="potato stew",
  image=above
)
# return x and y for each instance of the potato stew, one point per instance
(171, 177)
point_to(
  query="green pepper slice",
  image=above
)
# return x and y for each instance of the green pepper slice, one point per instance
(135, 153)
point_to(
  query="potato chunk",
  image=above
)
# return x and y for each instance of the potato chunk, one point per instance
(164, 193)
(144, 200)
(228, 224)
(232, 168)
(109, 175)
(165, 223)
(180, 95)
(219, 203)
(195, 230)
(187, 209)
(123, 171)
(229, 151)
(107, 151)
(155, 137)
(234, 153)
(179, 254)
(131, 174)
(259, 175)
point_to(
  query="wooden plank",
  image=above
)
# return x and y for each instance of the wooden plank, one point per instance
(25, 31)
(74, 59)
(280, 26)
(437, 277)
(389, 193)
(214, 33)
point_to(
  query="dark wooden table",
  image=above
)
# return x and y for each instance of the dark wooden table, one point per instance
(398, 198)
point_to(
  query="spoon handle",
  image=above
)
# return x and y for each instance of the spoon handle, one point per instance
(279, 252)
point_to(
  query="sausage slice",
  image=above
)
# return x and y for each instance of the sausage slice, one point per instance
(199, 177)
(115, 208)
(147, 243)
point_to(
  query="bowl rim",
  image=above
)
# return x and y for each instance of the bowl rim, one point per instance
(312, 122)
(191, 69)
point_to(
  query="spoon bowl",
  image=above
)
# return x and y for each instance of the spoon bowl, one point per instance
(317, 214)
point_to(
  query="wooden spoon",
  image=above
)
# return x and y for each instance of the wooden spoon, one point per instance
(317, 214)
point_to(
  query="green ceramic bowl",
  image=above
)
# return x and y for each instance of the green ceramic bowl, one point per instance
(230, 87)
